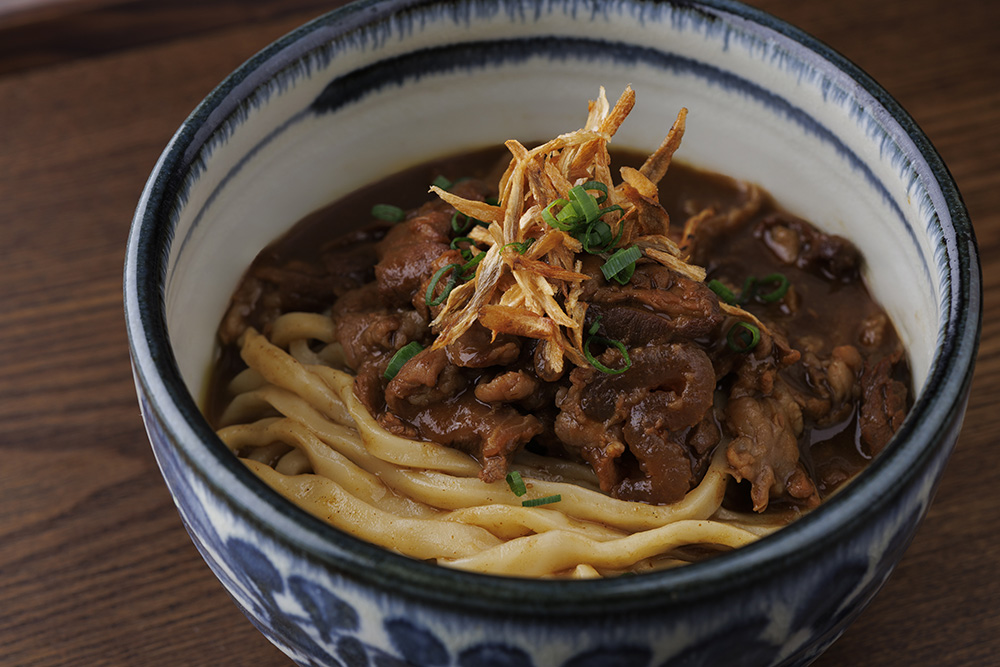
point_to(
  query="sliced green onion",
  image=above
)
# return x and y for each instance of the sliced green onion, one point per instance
(623, 259)
(569, 215)
(545, 500)
(471, 264)
(722, 291)
(466, 252)
(611, 343)
(388, 212)
(442, 183)
(585, 205)
(551, 218)
(778, 292)
(429, 298)
(618, 236)
(597, 185)
(515, 483)
(609, 209)
(492, 201)
(749, 287)
(605, 238)
(595, 326)
(625, 275)
(743, 337)
(520, 246)
(459, 222)
(598, 232)
(399, 359)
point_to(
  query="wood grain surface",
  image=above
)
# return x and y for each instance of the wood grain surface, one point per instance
(95, 567)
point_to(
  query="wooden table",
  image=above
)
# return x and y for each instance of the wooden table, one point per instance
(95, 568)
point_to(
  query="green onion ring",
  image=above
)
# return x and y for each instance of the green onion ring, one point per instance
(516, 483)
(584, 203)
(452, 281)
(722, 291)
(606, 341)
(388, 212)
(545, 500)
(466, 252)
(600, 187)
(455, 225)
(736, 338)
(471, 264)
(604, 237)
(778, 292)
(618, 262)
(550, 218)
(749, 288)
(399, 359)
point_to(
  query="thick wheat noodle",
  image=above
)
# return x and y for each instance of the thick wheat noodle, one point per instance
(509, 522)
(246, 380)
(279, 368)
(415, 537)
(448, 516)
(326, 461)
(301, 326)
(559, 550)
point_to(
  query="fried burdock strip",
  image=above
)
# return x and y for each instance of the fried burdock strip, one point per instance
(534, 290)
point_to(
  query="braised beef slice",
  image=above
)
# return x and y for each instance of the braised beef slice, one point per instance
(509, 387)
(656, 306)
(883, 405)
(270, 290)
(794, 241)
(765, 420)
(476, 348)
(272, 287)
(430, 394)
(765, 447)
(826, 387)
(370, 332)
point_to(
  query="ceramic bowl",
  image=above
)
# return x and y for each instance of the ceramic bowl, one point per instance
(380, 85)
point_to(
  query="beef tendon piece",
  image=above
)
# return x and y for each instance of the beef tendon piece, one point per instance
(647, 413)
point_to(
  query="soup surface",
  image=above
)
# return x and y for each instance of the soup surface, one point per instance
(662, 370)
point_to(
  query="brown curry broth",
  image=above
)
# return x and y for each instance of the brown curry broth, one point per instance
(831, 454)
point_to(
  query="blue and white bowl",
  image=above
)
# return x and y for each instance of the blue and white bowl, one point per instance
(380, 85)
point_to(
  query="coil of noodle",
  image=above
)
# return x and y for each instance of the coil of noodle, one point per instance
(352, 438)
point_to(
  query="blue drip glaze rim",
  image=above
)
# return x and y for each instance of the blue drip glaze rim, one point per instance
(950, 375)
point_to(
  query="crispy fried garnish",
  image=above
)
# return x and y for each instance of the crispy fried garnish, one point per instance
(656, 165)
(534, 290)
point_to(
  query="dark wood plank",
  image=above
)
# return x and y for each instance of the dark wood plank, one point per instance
(52, 32)
(95, 568)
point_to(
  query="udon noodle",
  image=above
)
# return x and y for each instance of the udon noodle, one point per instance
(296, 418)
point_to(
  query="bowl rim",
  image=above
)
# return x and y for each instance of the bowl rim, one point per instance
(936, 412)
